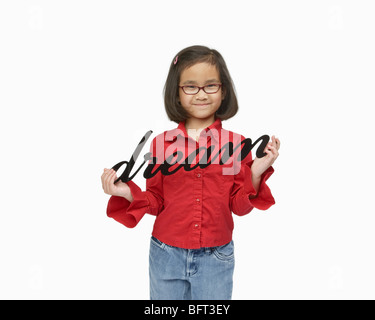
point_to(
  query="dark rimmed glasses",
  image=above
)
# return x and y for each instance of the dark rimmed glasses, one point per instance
(209, 89)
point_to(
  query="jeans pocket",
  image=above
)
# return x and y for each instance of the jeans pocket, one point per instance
(157, 242)
(225, 252)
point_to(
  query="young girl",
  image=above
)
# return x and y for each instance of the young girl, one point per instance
(204, 176)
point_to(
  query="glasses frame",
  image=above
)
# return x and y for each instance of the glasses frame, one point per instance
(201, 88)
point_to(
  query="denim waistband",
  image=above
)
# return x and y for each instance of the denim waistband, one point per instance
(205, 249)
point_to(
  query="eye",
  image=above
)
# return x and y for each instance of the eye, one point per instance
(212, 88)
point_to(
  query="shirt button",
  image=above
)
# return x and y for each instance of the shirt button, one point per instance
(196, 225)
(198, 175)
(198, 200)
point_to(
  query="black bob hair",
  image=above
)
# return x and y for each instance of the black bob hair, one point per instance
(185, 59)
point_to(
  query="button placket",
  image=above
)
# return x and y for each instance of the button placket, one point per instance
(198, 193)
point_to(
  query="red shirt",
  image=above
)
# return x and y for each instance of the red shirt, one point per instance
(194, 208)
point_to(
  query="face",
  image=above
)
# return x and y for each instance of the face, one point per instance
(201, 105)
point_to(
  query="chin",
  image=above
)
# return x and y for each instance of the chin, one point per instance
(203, 116)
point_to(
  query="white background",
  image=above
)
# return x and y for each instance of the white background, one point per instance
(82, 81)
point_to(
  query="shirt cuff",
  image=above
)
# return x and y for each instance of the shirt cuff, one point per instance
(264, 199)
(126, 212)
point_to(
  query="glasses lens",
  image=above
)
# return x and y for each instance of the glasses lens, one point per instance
(212, 88)
(190, 89)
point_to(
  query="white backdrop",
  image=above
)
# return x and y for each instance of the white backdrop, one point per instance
(80, 84)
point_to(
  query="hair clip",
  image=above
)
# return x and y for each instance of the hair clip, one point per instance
(175, 60)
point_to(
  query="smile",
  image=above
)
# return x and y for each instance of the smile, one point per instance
(202, 104)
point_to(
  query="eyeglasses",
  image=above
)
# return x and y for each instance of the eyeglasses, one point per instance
(209, 89)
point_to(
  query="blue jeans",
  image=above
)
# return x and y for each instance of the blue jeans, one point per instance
(185, 274)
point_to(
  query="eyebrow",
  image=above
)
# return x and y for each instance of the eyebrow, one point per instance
(208, 81)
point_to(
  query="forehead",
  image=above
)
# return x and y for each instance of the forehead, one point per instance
(200, 73)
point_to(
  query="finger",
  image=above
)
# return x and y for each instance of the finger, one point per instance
(274, 152)
(113, 177)
(107, 181)
(277, 143)
(104, 171)
(269, 144)
(273, 149)
(269, 159)
(110, 178)
(104, 177)
(268, 153)
(274, 143)
(271, 156)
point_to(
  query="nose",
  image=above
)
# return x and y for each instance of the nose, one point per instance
(201, 95)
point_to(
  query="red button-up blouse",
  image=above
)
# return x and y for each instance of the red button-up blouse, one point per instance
(194, 205)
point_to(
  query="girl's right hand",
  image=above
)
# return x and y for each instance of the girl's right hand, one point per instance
(119, 189)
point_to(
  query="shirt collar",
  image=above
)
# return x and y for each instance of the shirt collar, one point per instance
(181, 130)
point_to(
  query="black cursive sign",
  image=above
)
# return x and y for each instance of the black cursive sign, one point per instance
(225, 152)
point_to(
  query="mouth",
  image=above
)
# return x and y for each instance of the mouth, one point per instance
(201, 104)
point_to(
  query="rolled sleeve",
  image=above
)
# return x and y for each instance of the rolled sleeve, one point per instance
(244, 197)
(150, 201)
(263, 199)
(126, 212)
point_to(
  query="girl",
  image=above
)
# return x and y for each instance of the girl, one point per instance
(205, 177)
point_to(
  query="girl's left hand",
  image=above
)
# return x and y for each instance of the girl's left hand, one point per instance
(260, 165)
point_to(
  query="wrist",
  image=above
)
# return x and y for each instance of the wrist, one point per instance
(255, 176)
(128, 196)
(255, 179)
